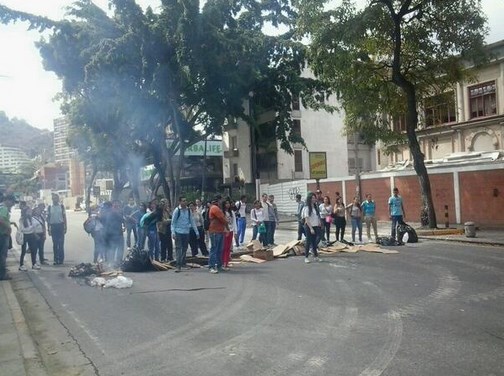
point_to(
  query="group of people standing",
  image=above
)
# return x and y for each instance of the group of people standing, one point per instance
(163, 230)
(316, 215)
(264, 218)
(34, 223)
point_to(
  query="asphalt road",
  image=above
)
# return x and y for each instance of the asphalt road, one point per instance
(436, 308)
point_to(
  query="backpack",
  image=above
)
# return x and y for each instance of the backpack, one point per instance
(89, 225)
(63, 213)
(403, 229)
(178, 213)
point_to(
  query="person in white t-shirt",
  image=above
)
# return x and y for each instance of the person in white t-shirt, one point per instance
(257, 219)
(241, 218)
(311, 217)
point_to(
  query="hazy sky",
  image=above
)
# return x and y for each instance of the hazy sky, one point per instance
(27, 90)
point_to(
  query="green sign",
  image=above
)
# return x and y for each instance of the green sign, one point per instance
(213, 149)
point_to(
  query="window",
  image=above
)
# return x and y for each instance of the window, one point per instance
(298, 161)
(295, 103)
(440, 109)
(296, 127)
(482, 100)
(235, 170)
(234, 143)
(399, 123)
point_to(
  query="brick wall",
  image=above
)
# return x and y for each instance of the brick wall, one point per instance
(481, 195)
(380, 191)
(477, 200)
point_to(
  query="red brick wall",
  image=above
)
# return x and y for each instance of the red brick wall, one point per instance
(380, 191)
(328, 189)
(477, 200)
(409, 190)
(443, 194)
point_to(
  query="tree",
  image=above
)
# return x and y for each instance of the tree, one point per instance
(389, 56)
(137, 76)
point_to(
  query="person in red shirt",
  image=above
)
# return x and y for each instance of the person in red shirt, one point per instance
(218, 227)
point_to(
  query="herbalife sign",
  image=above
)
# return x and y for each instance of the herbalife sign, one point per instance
(213, 149)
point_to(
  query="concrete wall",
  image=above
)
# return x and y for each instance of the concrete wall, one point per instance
(472, 193)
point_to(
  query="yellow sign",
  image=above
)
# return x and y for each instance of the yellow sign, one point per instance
(318, 165)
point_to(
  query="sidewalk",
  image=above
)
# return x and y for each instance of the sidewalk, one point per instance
(455, 234)
(18, 353)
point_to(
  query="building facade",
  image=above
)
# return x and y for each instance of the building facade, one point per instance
(12, 159)
(467, 120)
(251, 155)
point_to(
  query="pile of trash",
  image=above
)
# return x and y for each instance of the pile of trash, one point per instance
(119, 282)
(137, 260)
(96, 276)
(85, 270)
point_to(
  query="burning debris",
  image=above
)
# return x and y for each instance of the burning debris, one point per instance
(85, 270)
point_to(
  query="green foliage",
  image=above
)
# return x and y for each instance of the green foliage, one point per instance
(132, 77)
(362, 53)
(383, 59)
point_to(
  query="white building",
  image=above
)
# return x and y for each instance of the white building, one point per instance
(321, 131)
(12, 159)
(62, 151)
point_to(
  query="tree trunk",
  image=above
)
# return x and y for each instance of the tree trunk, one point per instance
(418, 156)
(89, 189)
(411, 119)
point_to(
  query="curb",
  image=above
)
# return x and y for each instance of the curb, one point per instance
(440, 232)
(476, 242)
(31, 359)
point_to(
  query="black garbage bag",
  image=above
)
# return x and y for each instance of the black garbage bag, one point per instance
(387, 241)
(403, 228)
(137, 260)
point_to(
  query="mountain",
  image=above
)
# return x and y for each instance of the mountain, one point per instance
(33, 141)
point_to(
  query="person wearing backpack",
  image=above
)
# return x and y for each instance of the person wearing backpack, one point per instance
(27, 227)
(181, 225)
(57, 228)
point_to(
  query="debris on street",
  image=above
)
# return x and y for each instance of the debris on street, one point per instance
(249, 258)
(119, 282)
(137, 260)
(85, 270)
(340, 247)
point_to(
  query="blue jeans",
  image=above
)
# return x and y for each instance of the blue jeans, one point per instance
(216, 245)
(4, 246)
(153, 244)
(58, 238)
(356, 225)
(242, 225)
(396, 219)
(301, 230)
(131, 228)
(312, 240)
(268, 236)
(181, 244)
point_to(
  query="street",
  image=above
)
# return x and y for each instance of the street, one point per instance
(436, 308)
